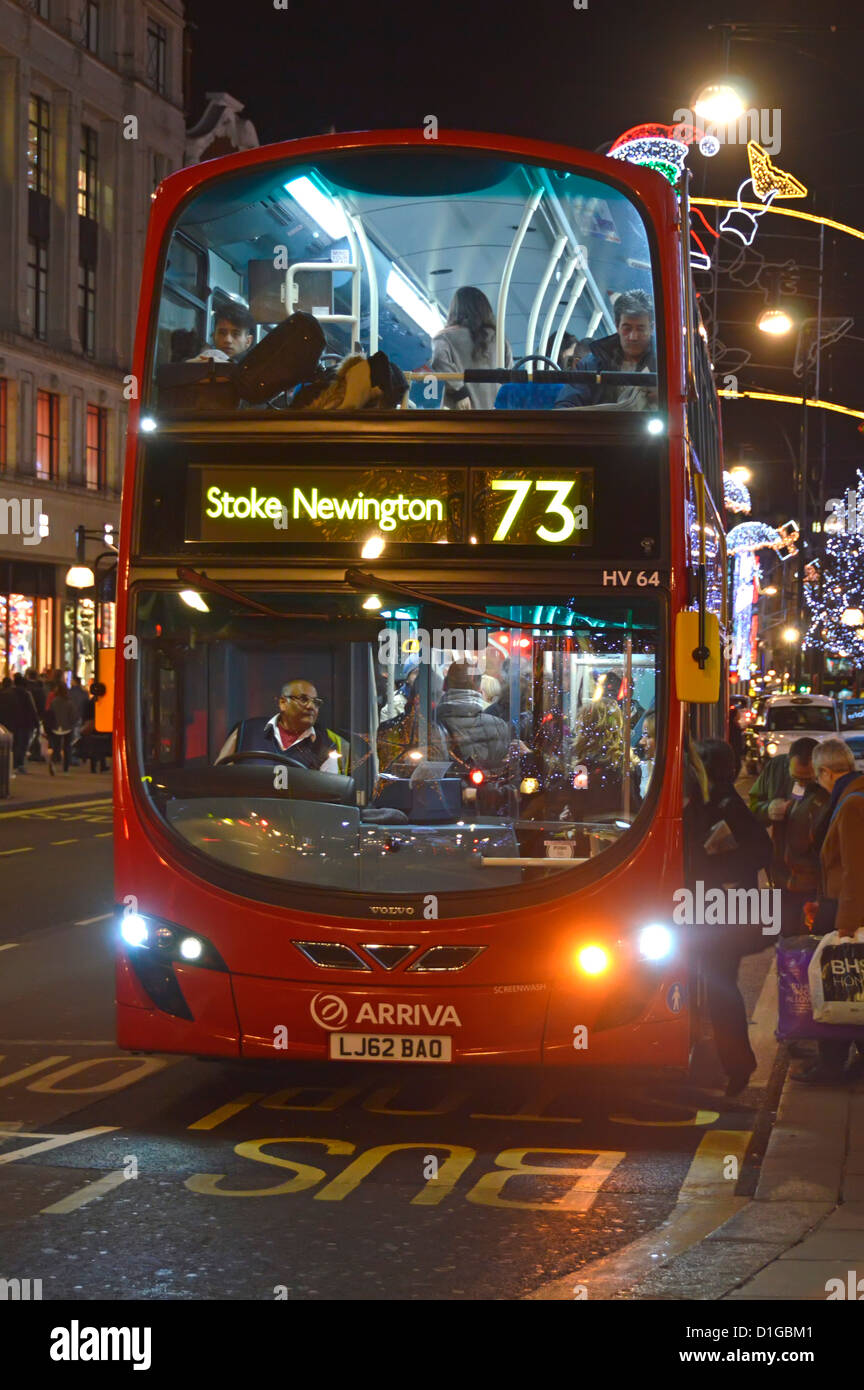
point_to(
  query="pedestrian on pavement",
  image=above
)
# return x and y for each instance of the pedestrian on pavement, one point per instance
(27, 723)
(95, 745)
(805, 825)
(63, 722)
(734, 849)
(841, 906)
(771, 798)
(37, 690)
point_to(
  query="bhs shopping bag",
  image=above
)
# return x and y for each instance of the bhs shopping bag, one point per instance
(836, 978)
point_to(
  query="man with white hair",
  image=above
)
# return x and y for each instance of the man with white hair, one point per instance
(842, 867)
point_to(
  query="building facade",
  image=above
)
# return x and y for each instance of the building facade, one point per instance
(91, 119)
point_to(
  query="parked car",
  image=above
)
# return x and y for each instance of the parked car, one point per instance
(785, 718)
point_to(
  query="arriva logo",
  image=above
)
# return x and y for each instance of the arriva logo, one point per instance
(329, 1011)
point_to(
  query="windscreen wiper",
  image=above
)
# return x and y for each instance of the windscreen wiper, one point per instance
(359, 579)
(201, 581)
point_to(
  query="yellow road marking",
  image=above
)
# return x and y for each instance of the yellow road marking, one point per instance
(9, 946)
(89, 1193)
(63, 806)
(224, 1112)
(103, 835)
(73, 841)
(27, 849)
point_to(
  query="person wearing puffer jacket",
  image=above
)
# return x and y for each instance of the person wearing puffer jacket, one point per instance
(475, 738)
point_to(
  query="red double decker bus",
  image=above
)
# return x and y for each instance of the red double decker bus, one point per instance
(420, 593)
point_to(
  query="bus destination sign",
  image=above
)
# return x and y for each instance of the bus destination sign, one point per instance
(414, 506)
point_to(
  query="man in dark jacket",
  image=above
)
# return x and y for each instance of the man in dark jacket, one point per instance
(37, 690)
(292, 732)
(28, 722)
(629, 349)
(475, 737)
(771, 797)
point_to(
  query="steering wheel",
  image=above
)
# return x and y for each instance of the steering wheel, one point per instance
(537, 357)
(247, 757)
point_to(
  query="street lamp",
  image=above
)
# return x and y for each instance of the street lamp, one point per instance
(718, 103)
(791, 634)
(740, 473)
(775, 322)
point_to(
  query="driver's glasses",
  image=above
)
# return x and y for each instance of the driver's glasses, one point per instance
(308, 701)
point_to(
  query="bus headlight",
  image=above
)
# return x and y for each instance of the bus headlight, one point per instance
(771, 749)
(191, 948)
(655, 942)
(593, 960)
(134, 930)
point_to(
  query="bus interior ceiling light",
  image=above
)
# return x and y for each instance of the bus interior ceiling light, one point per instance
(373, 602)
(194, 600)
(320, 208)
(372, 548)
(147, 424)
(403, 293)
(655, 941)
(80, 577)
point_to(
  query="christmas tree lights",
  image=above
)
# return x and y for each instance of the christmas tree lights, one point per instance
(835, 592)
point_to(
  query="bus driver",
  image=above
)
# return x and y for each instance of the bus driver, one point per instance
(293, 731)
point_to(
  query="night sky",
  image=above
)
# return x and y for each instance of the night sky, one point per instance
(549, 71)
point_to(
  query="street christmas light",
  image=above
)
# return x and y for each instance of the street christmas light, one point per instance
(852, 617)
(775, 322)
(770, 589)
(740, 473)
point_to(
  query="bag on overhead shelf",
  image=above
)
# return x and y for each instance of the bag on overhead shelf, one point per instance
(836, 977)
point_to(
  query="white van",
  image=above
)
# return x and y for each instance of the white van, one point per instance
(786, 718)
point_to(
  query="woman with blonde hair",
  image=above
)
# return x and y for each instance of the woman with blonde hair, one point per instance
(601, 750)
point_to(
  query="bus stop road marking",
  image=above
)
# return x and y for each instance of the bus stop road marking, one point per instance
(702, 1206)
(90, 1192)
(224, 1112)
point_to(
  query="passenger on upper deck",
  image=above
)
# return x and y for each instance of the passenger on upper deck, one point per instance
(293, 731)
(468, 340)
(629, 349)
(233, 330)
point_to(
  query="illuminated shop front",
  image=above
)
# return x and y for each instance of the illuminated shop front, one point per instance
(26, 616)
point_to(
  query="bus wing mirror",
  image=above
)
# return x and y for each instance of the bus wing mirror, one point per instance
(698, 685)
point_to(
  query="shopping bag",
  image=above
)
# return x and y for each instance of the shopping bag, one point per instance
(794, 1008)
(836, 979)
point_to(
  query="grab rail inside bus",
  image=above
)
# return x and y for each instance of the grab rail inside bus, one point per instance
(507, 275)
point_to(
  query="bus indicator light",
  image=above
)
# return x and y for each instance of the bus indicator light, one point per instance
(593, 960)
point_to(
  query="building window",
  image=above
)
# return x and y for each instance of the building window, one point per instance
(87, 308)
(4, 417)
(47, 434)
(90, 25)
(97, 449)
(39, 145)
(157, 50)
(88, 169)
(37, 286)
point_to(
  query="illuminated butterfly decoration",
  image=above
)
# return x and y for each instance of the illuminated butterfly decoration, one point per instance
(767, 183)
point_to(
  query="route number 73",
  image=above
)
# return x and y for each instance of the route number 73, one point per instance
(572, 518)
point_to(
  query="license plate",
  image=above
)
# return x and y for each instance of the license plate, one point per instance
(389, 1047)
